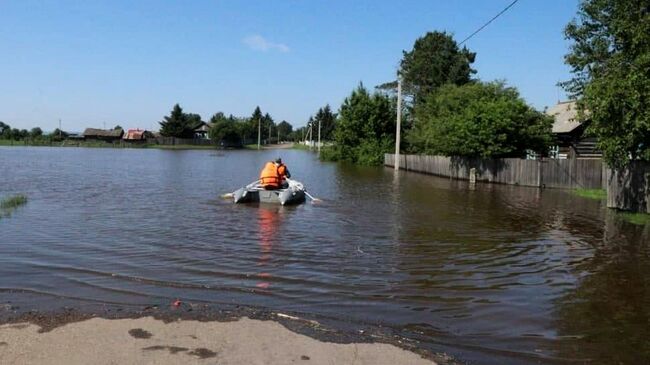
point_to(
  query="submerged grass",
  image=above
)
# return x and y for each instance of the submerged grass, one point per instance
(597, 194)
(640, 219)
(8, 205)
(13, 202)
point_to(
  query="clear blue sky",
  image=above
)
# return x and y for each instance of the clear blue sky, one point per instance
(96, 62)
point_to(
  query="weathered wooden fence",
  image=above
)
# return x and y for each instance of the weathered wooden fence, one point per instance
(552, 173)
(172, 141)
(627, 189)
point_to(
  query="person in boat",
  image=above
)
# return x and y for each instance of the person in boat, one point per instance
(273, 175)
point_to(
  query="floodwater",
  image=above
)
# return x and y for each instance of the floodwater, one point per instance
(491, 275)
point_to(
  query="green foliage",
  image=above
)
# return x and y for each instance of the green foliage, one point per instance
(13, 201)
(610, 59)
(117, 127)
(9, 204)
(58, 135)
(327, 121)
(225, 130)
(36, 133)
(177, 124)
(365, 128)
(435, 60)
(478, 120)
(285, 129)
(640, 219)
(3, 129)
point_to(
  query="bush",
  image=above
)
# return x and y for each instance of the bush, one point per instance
(478, 120)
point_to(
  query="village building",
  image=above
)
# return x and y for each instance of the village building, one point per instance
(571, 140)
(201, 130)
(108, 135)
(137, 135)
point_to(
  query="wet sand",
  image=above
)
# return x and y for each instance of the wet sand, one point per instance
(148, 340)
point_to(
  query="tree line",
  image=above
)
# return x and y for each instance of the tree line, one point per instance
(228, 130)
(445, 111)
(34, 134)
(449, 112)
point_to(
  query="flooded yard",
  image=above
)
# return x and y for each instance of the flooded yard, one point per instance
(492, 274)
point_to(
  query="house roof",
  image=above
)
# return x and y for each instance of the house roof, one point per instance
(202, 128)
(93, 132)
(135, 134)
(565, 115)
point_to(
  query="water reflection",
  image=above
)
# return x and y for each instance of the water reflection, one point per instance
(607, 316)
(497, 274)
(269, 218)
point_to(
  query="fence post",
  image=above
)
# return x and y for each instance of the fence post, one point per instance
(647, 192)
(472, 175)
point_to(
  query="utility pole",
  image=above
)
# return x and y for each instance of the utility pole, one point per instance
(399, 121)
(318, 136)
(259, 132)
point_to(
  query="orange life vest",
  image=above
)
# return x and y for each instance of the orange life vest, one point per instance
(271, 175)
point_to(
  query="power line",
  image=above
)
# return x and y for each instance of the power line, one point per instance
(488, 23)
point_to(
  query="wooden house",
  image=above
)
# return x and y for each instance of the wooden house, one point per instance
(108, 135)
(569, 133)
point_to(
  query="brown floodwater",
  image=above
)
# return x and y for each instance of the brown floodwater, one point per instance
(491, 275)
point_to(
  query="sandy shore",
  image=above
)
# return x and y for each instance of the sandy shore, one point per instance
(150, 341)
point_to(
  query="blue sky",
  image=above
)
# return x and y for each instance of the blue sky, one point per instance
(92, 63)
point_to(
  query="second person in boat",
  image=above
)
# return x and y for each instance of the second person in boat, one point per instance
(273, 175)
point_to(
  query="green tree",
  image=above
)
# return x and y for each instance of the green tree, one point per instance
(193, 120)
(58, 135)
(435, 60)
(327, 121)
(253, 122)
(365, 129)
(3, 128)
(36, 133)
(176, 124)
(610, 59)
(268, 128)
(285, 129)
(117, 127)
(224, 130)
(478, 120)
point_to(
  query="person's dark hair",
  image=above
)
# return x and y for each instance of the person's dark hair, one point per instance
(278, 160)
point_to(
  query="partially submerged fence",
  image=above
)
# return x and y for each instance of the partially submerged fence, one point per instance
(627, 189)
(552, 173)
(172, 141)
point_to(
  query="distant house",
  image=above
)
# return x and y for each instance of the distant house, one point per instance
(201, 130)
(134, 135)
(569, 133)
(108, 135)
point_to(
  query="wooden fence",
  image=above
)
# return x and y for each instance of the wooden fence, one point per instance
(172, 141)
(551, 173)
(629, 188)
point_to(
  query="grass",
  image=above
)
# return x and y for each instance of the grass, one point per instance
(13, 202)
(635, 218)
(597, 194)
(8, 205)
